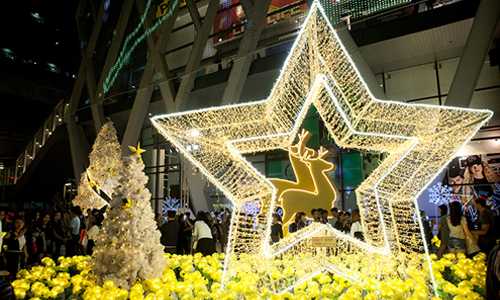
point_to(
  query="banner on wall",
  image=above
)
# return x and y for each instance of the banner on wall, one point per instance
(475, 176)
(231, 16)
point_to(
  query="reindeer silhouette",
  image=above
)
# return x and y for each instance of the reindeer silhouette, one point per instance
(313, 187)
(300, 168)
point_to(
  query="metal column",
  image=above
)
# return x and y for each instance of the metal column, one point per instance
(156, 61)
(476, 48)
(256, 18)
(196, 54)
(77, 140)
(114, 50)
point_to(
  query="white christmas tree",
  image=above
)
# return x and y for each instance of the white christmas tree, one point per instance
(98, 182)
(128, 246)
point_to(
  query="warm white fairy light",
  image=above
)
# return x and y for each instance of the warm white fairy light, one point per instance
(420, 141)
(102, 173)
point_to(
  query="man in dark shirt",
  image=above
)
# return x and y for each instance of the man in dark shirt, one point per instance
(485, 233)
(170, 233)
(276, 229)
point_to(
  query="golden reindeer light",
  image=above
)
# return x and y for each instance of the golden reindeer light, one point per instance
(313, 187)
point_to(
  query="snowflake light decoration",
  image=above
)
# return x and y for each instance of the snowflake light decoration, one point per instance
(170, 203)
(252, 208)
(440, 194)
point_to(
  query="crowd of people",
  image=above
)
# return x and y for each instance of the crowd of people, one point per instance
(345, 221)
(34, 235)
(30, 236)
(207, 234)
(458, 233)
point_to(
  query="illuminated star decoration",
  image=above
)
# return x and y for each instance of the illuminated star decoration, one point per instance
(137, 150)
(420, 140)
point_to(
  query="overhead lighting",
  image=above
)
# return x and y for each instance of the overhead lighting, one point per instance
(8, 53)
(36, 16)
(52, 68)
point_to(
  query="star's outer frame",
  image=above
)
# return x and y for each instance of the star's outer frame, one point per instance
(420, 140)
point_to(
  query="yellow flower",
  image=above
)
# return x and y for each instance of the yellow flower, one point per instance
(19, 293)
(47, 261)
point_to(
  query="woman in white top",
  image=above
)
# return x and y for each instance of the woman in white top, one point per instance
(202, 235)
(458, 229)
(16, 253)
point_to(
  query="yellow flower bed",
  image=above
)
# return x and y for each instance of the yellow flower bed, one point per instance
(197, 277)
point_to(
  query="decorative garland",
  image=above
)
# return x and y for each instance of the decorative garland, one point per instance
(127, 50)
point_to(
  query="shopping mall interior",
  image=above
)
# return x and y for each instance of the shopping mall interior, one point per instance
(250, 149)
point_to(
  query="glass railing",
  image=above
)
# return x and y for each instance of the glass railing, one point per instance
(40, 139)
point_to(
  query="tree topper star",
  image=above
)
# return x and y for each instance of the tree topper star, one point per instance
(136, 150)
(419, 139)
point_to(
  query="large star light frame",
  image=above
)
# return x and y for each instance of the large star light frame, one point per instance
(419, 139)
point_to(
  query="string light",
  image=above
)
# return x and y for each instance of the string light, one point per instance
(124, 56)
(101, 175)
(128, 247)
(420, 141)
(336, 11)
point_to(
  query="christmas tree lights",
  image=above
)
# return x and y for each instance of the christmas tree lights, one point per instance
(100, 179)
(128, 246)
(419, 139)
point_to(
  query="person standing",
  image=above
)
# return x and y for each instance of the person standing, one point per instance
(276, 229)
(426, 226)
(335, 217)
(356, 228)
(485, 233)
(202, 235)
(170, 233)
(74, 224)
(46, 229)
(316, 214)
(298, 223)
(16, 253)
(58, 234)
(458, 229)
(493, 273)
(95, 222)
(185, 234)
